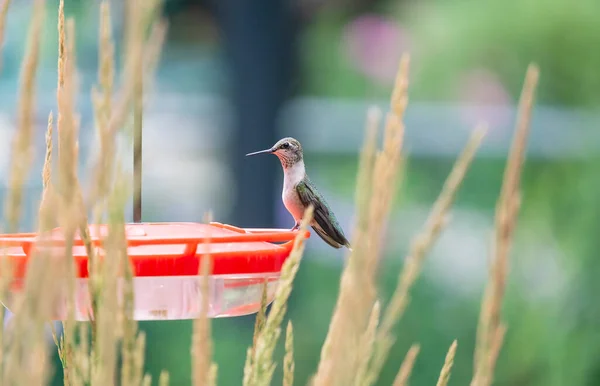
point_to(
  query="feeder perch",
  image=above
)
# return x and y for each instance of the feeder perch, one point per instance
(165, 258)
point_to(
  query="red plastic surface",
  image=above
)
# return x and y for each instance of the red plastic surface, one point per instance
(172, 249)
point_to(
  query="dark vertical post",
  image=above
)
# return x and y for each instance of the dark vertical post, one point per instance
(137, 147)
(133, 32)
(259, 41)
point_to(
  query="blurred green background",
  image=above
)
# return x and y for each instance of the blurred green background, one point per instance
(468, 60)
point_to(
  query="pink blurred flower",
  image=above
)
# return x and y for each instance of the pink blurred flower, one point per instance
(484, 98)
(374, 45)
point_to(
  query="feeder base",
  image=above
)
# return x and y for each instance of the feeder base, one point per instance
(179, 297)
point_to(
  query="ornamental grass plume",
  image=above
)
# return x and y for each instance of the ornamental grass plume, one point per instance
(378, 174)
(407, 366)
(259, 325)
(3, 13)
(448, 363)
(261, 366)
(491, 329)
(366, 345)
(420, 245)
(22, 149)
(204, 371)
(288, 359)
(5, 267)
(25, 343)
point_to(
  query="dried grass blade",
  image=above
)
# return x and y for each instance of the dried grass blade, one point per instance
(3, 13)
(153, 50)
(68, 190)
(113, 320)
(34, 307)
(366, 345)
(387, 165)
(138, 361)
(288, 360)
(202, 345)
(448, 363)
(163, 379)
(23, 140)
(81, 358)
(47, 169)
(247, 379)
(407, 366)
(102, 100)
(138, 19)
(366, 163)
(25, 344)
(490, 326)
(258, 327)
(23, 146)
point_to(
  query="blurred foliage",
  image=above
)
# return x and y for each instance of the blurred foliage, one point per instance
(449, 38)
(504, 36)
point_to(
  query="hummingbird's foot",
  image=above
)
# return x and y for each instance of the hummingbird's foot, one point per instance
(296, 227)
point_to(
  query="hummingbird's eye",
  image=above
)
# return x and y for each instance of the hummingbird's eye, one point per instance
(285, 145)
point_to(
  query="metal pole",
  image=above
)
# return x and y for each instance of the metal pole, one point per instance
(137, 147)
(132, 34)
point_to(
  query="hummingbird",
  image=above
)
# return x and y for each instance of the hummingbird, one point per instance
(299, 192)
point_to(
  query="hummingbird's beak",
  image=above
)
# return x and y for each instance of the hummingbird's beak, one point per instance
(260, 152)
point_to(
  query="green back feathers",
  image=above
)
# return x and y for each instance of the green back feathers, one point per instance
(326, 224)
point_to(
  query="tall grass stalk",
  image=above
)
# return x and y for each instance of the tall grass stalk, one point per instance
(3, 13)
(367, 344)
(22, 153)
(448, 363)
(262, 366)
(204, 371)
(288, 359)
(67, 181)
(491, 329)
(259, 325)
(378, 174)
(407, 365)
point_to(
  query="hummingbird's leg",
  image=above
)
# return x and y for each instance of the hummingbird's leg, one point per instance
(296, 227)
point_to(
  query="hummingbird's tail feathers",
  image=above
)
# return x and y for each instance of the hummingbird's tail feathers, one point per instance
(326, 237)
(336, 240)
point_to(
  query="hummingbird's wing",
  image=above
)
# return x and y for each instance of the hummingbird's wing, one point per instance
(327, 226)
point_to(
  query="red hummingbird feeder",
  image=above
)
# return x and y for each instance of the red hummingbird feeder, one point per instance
(165, 257)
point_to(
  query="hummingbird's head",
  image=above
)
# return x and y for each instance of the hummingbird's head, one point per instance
(288, 150)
